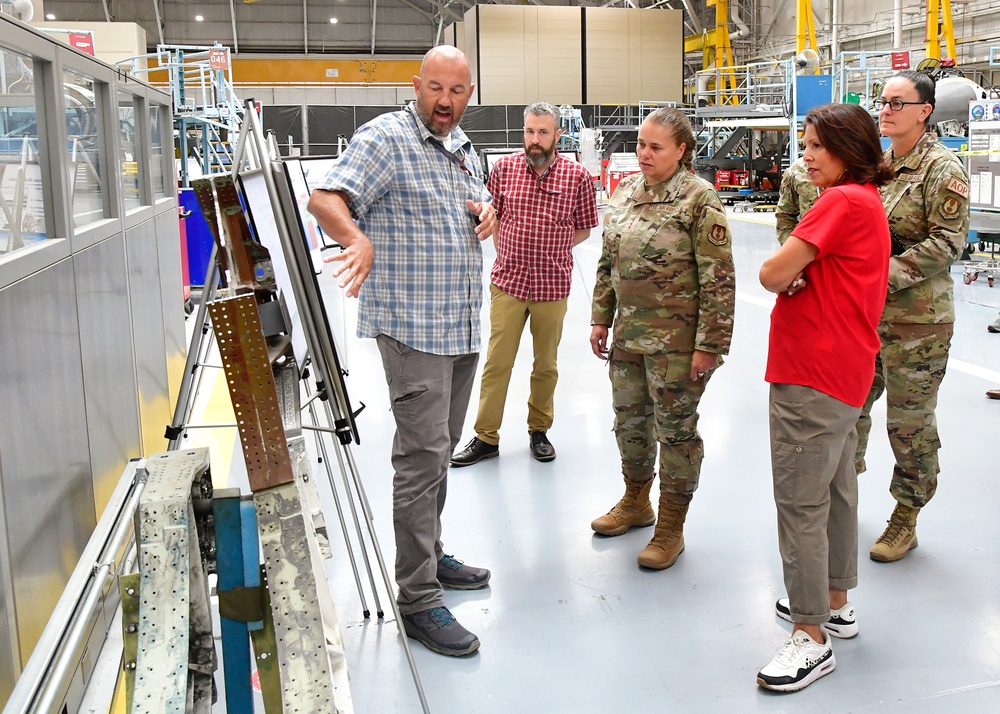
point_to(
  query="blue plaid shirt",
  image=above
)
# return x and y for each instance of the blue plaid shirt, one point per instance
(425, 288)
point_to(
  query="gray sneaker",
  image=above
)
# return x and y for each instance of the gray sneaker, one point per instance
(456, 575)
(995, 326)
(440, 632)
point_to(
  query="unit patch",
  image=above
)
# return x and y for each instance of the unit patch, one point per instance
(959, 187)
(718, 235)
(950, 208)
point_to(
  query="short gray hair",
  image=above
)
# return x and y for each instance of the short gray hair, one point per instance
(542, 108)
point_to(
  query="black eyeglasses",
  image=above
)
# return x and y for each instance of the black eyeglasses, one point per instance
(894, 104)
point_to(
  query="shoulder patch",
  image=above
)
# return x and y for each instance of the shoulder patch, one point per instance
(959, 187)
(718, 236)
(950, 208)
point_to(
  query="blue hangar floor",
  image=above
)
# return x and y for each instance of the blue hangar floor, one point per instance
(570, 623)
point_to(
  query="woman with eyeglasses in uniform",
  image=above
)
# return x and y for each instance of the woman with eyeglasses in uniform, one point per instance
(927, 204)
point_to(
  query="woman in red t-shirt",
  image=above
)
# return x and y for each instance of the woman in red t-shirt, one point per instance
(831, 278)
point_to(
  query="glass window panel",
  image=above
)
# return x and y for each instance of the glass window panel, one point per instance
(86, 175)
(130, 157)
(156, 149)
(22, 207)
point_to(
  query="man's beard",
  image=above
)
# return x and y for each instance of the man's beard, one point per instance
(539, 159)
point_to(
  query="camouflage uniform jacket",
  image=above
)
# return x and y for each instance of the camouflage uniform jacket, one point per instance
(796, 196)
(928, 208)
(665, 279)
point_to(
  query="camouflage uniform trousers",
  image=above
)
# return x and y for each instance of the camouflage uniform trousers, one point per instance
(655, 401)
(909, 369)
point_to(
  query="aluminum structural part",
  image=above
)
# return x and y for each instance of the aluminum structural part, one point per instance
(309, 648)
(175, 650)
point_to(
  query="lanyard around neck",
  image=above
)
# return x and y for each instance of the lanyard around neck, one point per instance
(453, 157)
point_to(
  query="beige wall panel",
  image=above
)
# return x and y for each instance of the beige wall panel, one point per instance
(660, 71)
(636, 57)
(559, 70)
(501, 54)
(454, 35)
(532, 65)
(323, 95)
(469, 28)
(364, 95)
(113, 41)
(607, 55)
(264, 95)
(290, 95)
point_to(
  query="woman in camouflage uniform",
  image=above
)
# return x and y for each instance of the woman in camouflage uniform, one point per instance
(666, 282)
(927, 204)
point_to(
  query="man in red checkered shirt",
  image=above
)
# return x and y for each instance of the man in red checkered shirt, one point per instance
(546, 205)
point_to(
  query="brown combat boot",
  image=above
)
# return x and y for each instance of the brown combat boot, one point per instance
(900, 536)
(668, 538)
(634, 510)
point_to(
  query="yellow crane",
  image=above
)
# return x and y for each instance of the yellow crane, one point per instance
(717, 50)
(936, 30)
(805, 30)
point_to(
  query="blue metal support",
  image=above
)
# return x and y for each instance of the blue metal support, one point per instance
(251, 552)
(230, 558)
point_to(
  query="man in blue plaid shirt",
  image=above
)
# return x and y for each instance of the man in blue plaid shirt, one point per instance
(412, 182)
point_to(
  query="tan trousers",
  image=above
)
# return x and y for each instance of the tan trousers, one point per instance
(508, 316)
(816, 493)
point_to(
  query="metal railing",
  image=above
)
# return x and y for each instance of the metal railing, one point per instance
(860, 73)
(767, 84)
(63, 652)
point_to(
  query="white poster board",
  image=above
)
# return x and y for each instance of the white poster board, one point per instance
(258, 204)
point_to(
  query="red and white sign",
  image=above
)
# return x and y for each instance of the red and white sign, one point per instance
(901, 60)
(218, 58)
(83, 41)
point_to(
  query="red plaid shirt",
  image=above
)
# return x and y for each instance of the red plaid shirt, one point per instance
(538, 217)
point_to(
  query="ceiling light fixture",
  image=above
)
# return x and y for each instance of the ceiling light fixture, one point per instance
(333, 21)
(50, 16)
(198, 18)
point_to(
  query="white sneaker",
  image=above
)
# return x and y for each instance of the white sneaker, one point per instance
(842, 623)
(799, 662)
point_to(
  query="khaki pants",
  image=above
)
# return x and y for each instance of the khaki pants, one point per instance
(816, 493)
(508, 316)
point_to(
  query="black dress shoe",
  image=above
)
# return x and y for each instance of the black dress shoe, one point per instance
(474, 452)
(541, 449)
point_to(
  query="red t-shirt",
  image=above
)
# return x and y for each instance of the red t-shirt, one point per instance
(825, 336)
